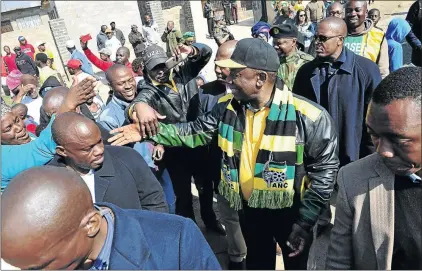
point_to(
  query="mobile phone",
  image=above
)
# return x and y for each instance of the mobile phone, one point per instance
(86, 38)
(173, 61)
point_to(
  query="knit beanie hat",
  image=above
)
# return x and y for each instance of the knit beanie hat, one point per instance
(13, 80)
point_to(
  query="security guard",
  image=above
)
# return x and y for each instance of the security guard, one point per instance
(221, 31)
(285, 41)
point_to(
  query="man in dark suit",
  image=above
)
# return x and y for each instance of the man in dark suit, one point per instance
(50, 222)
(116, 175)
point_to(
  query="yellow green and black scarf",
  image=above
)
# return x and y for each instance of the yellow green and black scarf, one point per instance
(278, 155)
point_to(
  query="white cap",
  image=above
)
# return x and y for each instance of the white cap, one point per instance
(38, 43)
(70, 44)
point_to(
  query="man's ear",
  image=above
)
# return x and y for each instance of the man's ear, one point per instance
(262, 78)
(92, 223)
(61, 151)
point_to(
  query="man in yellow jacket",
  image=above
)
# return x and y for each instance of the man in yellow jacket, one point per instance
(363, 38)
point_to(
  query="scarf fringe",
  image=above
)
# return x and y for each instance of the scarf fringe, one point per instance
(271, 199)
(230, 195)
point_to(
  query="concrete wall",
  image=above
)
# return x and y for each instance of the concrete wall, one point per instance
(86, 17)
(32, 35)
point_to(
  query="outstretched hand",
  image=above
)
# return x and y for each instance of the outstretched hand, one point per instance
(79, 94)
(147, 118)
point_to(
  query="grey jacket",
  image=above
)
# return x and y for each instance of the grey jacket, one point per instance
(363, 233)
(101, 39)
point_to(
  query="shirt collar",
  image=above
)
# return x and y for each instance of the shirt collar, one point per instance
(103, 260)
(120, 103)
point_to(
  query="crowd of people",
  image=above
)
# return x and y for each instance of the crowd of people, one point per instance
(315, 107)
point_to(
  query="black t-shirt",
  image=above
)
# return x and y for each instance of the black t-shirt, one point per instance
(407, 251)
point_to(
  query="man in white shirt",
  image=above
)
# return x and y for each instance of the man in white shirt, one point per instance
(112, 43)
(150, 31)
(117, 175)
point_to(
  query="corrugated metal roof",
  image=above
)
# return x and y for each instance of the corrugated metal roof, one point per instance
(13, 5)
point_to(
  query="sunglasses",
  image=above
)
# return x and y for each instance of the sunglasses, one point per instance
(322, 38)
(301, 15)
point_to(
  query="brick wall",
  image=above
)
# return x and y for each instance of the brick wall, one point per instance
(40, 33)
(86, 17)
(244, 8)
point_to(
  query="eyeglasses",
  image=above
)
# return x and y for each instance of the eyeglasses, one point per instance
(323, 39)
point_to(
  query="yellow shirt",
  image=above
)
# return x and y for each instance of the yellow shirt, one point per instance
(48, 53)
(47, 72)
(298, 7)
(254, 130)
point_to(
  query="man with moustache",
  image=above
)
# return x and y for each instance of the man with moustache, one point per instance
(378, 214)
(117, 175)
(279, 158)
(341, 82)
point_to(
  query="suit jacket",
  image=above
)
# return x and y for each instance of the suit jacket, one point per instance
(155, 241)
(125, 180)
(363, 233)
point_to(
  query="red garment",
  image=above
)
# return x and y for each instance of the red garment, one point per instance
(4, 72)
(9, 60)
(104, 65)
(28, 49)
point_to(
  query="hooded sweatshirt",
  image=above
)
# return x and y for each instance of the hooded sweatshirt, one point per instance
(370, 44)
(397, 31)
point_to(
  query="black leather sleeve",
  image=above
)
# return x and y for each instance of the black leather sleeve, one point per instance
(322, 164)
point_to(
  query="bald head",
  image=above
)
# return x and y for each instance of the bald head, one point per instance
(70, 126)
(54, 99)
(225, 51)
(39, 207)
(114, 71)
(122, 55)
(336, 25)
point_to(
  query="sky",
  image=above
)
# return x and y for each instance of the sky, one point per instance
(11, 5)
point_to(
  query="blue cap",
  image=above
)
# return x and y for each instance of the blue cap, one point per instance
(21, 38)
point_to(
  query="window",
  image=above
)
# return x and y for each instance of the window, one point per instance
(29, 22)
(6, 26)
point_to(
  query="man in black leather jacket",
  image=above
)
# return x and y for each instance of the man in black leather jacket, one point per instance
(174, 95)
(254, 87)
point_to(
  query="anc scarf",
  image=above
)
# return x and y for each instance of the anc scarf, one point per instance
(273, 185)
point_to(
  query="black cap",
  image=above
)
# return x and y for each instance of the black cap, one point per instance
(153, 56)
(283, 31)
(252, 53)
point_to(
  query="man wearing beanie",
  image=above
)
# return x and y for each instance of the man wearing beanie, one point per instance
(285, 39)
(279, 155)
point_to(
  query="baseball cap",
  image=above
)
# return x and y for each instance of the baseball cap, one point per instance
(153, 56)
(252, 53)
(70, 44)
(284, 31)
(133, 26)
(74, 63)
(21, 38)
(108, 30)
(105, 51)
(38, 43)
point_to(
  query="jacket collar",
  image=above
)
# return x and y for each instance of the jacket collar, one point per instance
(345, 61)
(120, 103)
(381, 198)
(130, 247)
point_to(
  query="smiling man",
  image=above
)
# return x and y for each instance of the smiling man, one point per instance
(363, 38)
(379, 206)
(279, 155)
